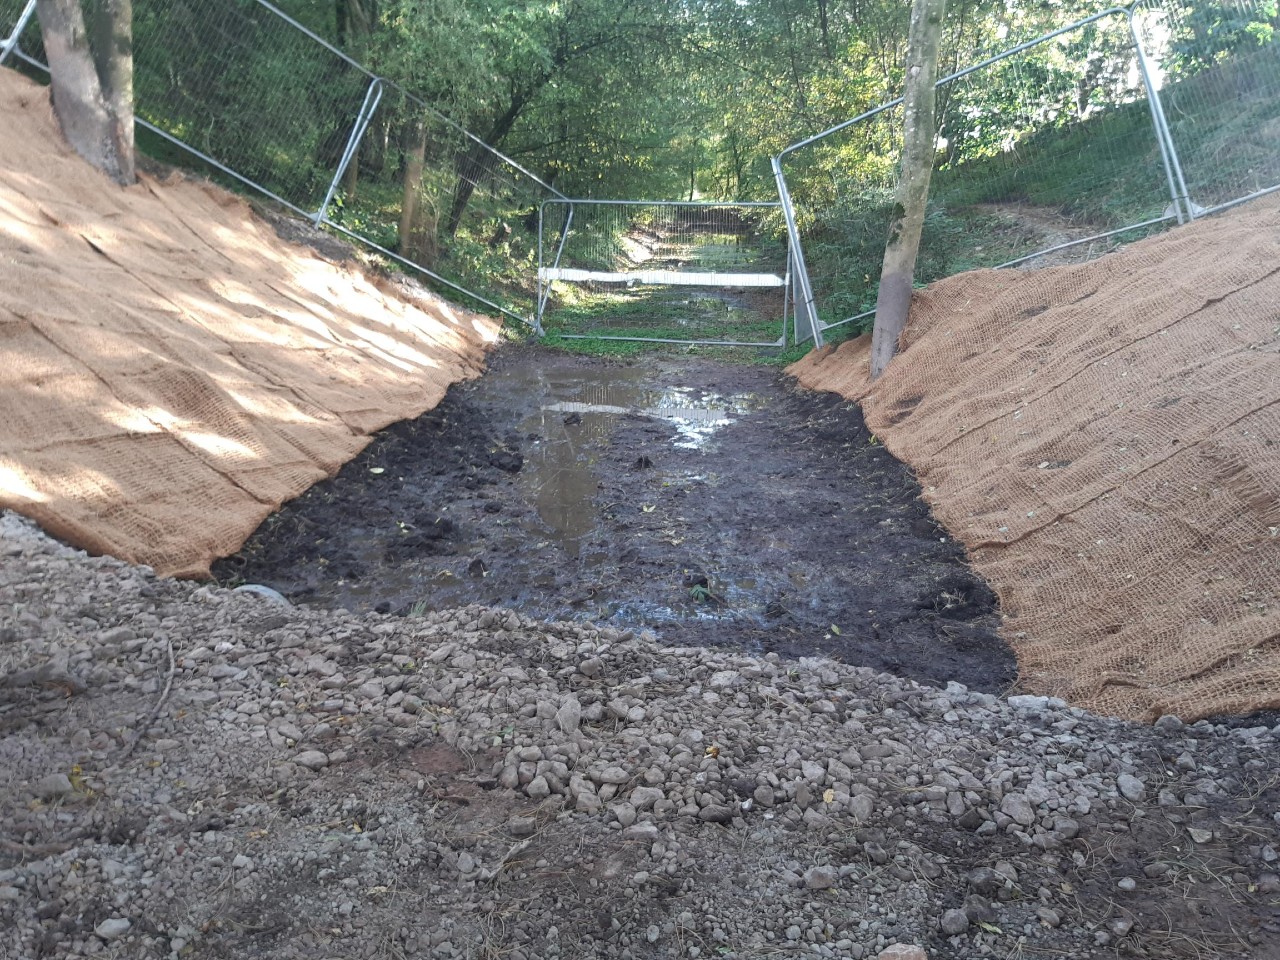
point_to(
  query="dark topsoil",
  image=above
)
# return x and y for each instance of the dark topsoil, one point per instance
(781, 526)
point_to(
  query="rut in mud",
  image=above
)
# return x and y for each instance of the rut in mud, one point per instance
(711, 502)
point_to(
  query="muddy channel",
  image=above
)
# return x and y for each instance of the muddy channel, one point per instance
(711, 502)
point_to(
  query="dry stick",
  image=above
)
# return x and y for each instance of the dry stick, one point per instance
(155, 711)
(36, 850)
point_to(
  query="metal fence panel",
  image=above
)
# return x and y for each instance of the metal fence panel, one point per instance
(1048, 151)
(14, 16)
(664, 272)
(431, 194)
(1216, 67)
(1052, 149)
(259, 98)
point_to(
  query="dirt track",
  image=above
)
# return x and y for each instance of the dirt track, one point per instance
(709, 501)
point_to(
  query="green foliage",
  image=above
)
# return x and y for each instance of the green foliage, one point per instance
(1205, 34)
(655, 99)
(974, 217)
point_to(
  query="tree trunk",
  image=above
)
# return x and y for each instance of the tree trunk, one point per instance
(351, 178)
(112, 43)
(826, 29)
(472, 168)
(919, 144)
(417, 232)
(91, 80)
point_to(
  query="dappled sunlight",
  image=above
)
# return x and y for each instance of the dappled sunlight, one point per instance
(273, 406)
(132, 420)
(173, 368)
(14, 486)
(15, 224)
(217, 445)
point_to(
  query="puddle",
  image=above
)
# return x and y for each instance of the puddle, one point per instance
(575, 414)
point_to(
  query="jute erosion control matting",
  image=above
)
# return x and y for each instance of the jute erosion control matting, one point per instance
(1105, 439)
(170, 370)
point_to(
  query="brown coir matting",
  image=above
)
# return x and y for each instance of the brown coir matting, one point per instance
(170, 370)
(1105, 440)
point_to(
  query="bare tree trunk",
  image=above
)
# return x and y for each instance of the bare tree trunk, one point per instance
(91, 80)
(415, 159)
(112, 44)
(472, 169)
(919, 143)
(351, 178)
(826, 29)
(417, 231)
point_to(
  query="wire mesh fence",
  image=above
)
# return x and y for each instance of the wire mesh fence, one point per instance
(1047, 152)
(1056, 150)
(670, 272)
(1216, 68)
(424, 188)
(256, 97)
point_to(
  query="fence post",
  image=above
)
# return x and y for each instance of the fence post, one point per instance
(544, 290)
(537, 310)
(11, 42)
(804, 293)
(786, 292)
(372, 97)
(1168, 149)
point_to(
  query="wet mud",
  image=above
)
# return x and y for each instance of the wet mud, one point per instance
(711, 502)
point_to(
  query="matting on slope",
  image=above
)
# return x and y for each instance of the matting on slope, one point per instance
(172, 370)
(1105, 440)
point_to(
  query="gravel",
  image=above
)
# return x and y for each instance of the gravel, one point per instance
(472, 783)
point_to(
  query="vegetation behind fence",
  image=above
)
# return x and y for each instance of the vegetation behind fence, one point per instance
(250, 94)
(1054, 152)
(1044, 147)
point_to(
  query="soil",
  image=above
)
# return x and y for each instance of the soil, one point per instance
(1041, 228)
(707, 500)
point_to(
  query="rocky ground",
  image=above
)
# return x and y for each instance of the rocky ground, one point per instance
(191, 772)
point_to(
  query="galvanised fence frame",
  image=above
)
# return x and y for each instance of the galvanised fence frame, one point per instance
(1187, 174)
(556, 225)
(1147, 23)
(472, 161)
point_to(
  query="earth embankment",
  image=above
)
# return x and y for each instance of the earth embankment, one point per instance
(173, 370)
(1105, 439)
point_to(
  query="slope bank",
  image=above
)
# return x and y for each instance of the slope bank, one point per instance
(173, 371)
(1105, 440)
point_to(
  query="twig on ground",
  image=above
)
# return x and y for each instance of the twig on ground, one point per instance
(155, 711)
(40, 850)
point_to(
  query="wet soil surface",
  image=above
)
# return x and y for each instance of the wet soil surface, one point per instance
(709, 501)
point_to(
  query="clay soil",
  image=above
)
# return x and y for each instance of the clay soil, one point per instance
(710, 501)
